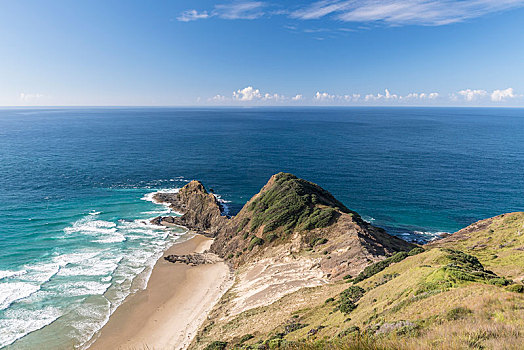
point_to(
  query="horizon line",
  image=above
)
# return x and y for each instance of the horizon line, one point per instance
(254, 106)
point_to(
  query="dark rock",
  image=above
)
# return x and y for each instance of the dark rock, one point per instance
(193, 259)
(200, 210)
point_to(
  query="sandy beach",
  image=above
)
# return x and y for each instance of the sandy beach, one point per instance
(167, 314)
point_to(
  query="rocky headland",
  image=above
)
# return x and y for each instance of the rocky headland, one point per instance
(289, 218)
(311, 274)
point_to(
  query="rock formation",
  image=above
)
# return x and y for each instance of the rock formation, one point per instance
(194, 259)
(201, 211)
(287, 218)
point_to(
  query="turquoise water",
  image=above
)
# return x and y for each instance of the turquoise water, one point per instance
(77, 183)
(69, 263)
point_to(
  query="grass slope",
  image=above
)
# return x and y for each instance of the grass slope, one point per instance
(497, 242)
(436, 299)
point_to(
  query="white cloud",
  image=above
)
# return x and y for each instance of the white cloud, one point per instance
(30, 98)
(393, 12)
(192, 15)
(251, 95)
(218, 98)
(421, 96)
(234, 10)
(351, 98)
(319, 9)
(472, 95)
(240, 10)
(379, 97)
(273, 97)
(399, 12)
(324, 96)
(247, 94)
(502, 95)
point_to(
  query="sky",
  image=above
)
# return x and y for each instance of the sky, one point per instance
(262, 53)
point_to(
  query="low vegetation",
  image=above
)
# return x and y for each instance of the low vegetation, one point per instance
(349, 298)
(379, 266)
(294, 204)
(456, 294)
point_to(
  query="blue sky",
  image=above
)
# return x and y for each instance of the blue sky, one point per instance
(340, 52)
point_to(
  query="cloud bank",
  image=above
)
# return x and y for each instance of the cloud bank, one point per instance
(252, 96)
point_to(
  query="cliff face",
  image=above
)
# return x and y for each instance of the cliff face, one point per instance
(201, 211)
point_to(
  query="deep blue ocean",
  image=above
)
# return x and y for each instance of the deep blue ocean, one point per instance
(76, 185)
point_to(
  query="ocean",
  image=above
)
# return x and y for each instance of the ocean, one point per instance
(76, 188)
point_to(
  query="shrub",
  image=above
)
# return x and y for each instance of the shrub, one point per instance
(516, 288)
(329, 300)
(349, 297)
(379, 266)
(464, 261)
(346, 306)
(348, 331)
(294, 326)
(353, 292)
(458, 313)
(271, 237)
(245, 338)
(398, 257)
(499, 281)
(243, 224)
(216, 345)
(229, 256)
(254, 242)
(416, 251)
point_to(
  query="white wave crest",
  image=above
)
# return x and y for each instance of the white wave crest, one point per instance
(104, 231)
(17, 323)
(431, 236)
(150, 196)
(84, 288)
(8, 273)
(11, 292)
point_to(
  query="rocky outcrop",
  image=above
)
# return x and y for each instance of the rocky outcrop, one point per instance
(292, 216)
(201, 211)
(288, 218)
(193, 259)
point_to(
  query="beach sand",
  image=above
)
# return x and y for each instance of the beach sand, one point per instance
(167, 314)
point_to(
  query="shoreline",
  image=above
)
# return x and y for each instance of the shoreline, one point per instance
(169, 311)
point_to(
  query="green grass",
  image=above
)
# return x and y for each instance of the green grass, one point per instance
(294, 204)
(375, 268)
(456, 298)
